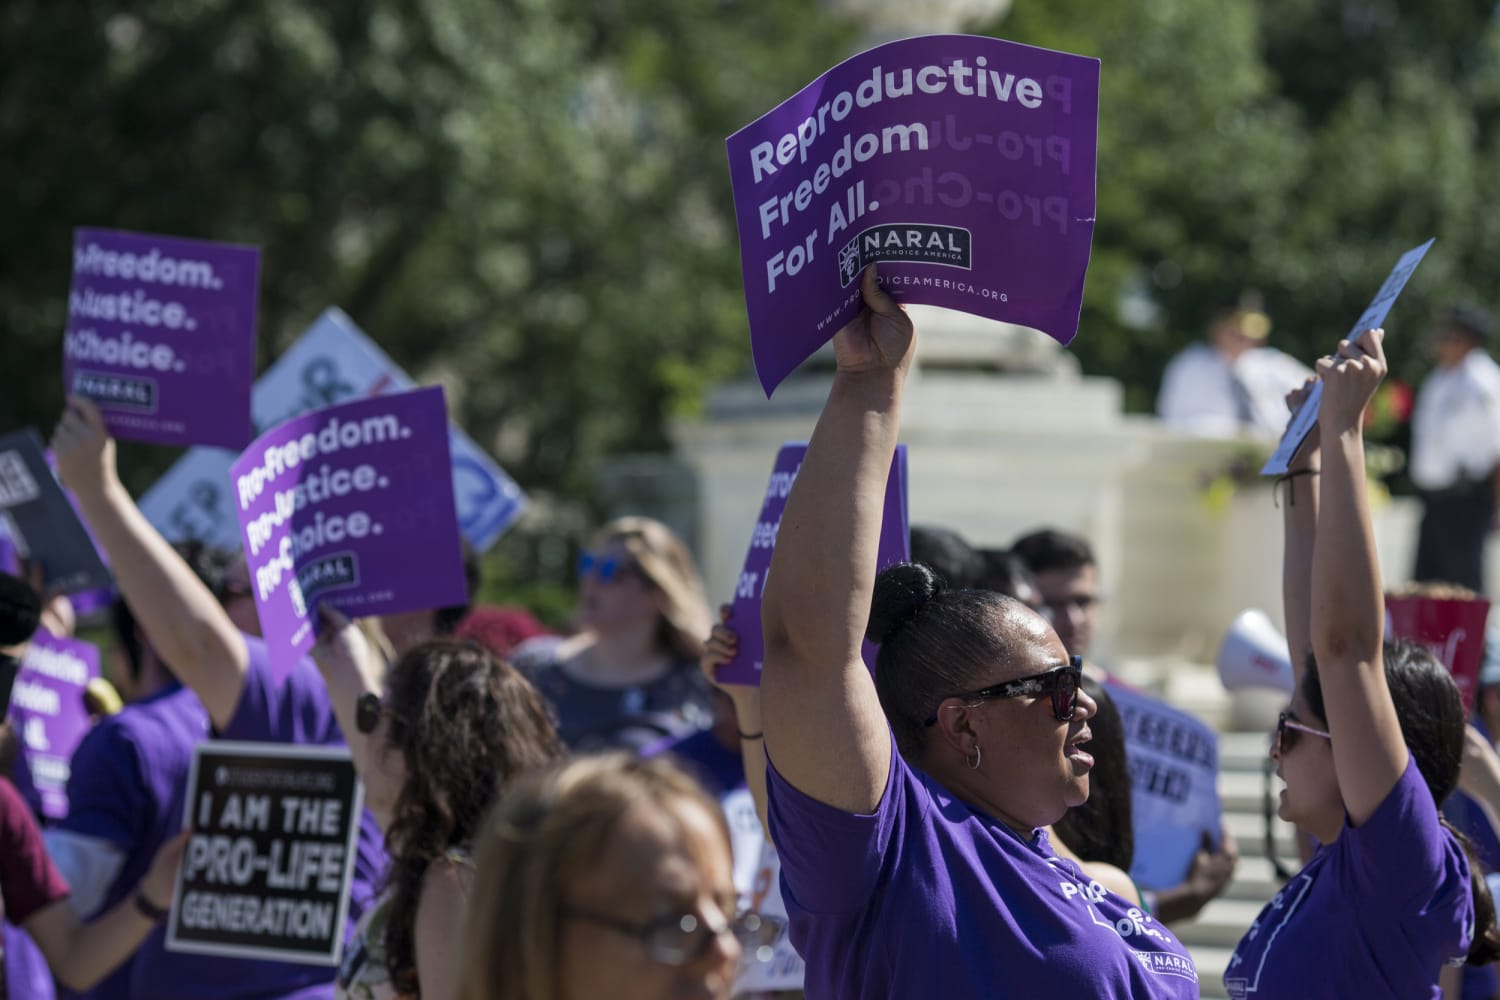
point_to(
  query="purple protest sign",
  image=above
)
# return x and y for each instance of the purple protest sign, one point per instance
(895, 546)
(161, 335)
(352, 504)
(963, 165)
(48, 710)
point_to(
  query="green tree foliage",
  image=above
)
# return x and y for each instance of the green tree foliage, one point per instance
(1294, 146)
(528, 198)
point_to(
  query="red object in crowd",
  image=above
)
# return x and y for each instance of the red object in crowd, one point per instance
(500, 629)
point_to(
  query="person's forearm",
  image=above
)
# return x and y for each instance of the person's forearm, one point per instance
(180, 617)
(753, 752)
(822, 575)
(1348, 611)
(1180, 902)
(1299, 507)
(79, 954)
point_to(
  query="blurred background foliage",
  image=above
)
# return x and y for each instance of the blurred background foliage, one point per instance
(529, 200)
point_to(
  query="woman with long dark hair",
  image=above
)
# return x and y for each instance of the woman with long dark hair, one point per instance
(1369, 747)
(434, 743)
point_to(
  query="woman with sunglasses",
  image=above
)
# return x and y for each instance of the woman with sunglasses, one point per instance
(630, 676)
(909, 813)
(604, 876)
(1369, 748)
(434, 740)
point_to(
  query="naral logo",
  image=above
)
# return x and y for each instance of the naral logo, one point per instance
(330, 572)
(117, 391)
(910, 242)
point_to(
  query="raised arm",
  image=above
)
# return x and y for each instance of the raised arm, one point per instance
(824, 727)
(351, 667)
(181, 619)
(719, 649)
(1348, 607)
(1299, 515)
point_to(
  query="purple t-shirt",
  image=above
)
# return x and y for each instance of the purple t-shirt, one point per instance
(297, 711)
(127, 786)
(928, 897)
(1374, 914)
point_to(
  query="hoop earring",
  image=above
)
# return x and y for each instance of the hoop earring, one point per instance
(978, 756)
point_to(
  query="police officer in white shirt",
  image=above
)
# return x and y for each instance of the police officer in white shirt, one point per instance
(1233, 384)
(1455, 449)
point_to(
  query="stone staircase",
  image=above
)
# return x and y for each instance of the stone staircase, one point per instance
(1213, 934)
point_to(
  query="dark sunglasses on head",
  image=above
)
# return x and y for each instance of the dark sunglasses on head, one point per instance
(680, 939)
(1287, 730)
(1060, 682)
(605, 569)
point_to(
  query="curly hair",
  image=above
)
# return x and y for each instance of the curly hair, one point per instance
(465, 724)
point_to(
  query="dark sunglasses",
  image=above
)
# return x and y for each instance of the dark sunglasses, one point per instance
(1060, 682)
(682, 938)
(605, 569)
(1287, 730)
(368, 709)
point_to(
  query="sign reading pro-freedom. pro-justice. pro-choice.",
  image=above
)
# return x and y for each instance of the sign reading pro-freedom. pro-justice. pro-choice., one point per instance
(161, 335)
(268, 868)
(962, 165)
(352, 504)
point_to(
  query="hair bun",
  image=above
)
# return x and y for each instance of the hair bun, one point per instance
(900, 593)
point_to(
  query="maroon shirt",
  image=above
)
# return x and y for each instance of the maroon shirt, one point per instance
(28, 879)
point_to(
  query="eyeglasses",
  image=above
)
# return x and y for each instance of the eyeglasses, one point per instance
(685, 937)
(605, 569)
(1285, 741)
(368, 709)
(1060, 682)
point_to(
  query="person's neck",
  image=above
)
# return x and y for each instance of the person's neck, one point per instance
(967, 785)
(621, 659)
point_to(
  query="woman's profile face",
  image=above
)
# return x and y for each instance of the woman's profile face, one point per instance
(1040, 765)
(662, 864)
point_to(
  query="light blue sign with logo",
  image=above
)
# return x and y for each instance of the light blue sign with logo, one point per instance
(333, 362)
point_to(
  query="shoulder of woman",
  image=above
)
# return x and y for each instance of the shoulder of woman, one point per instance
(448, 877)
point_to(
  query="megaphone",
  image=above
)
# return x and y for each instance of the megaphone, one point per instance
(1254, 654)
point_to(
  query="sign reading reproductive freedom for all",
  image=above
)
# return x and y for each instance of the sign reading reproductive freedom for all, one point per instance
(269, 864)
(48, 710)
(161, 335)
(351, 504)
(895, 547)
(332, 362)
(963, 166)
(1174, 785)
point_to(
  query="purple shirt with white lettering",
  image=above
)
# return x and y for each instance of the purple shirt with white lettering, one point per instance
(1374, 914)
(928, 897)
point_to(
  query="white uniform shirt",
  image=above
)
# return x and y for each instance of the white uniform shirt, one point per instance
(1455, 428)
(1199, 392)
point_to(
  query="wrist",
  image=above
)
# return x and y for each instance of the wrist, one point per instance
(146, 908)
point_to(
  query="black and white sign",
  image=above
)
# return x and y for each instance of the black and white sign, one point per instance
(41, 522)
(268, 869)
